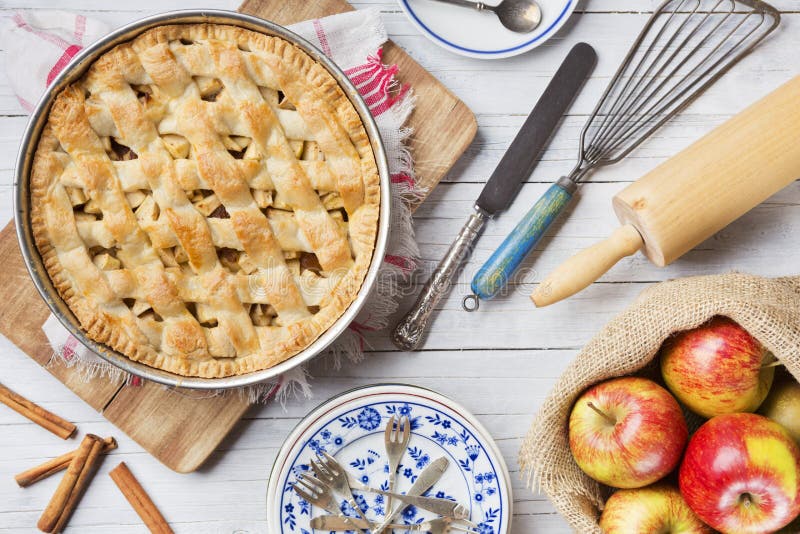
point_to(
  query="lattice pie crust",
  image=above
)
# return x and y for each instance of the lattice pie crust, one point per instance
(205, 200)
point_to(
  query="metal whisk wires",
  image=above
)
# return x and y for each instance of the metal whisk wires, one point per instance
(685, 47)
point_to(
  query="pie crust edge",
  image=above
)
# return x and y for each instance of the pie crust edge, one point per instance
(109, 330)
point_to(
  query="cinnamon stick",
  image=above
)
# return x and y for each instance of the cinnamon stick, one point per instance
(141, 502)
(51, 467)
(36, 413)
(69, 491)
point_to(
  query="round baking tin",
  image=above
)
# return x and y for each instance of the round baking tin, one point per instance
(30, 140)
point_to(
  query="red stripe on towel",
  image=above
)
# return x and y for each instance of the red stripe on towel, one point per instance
(403, 178)
(80, 29)
(399, 261)
(62, 62)
(322, 38)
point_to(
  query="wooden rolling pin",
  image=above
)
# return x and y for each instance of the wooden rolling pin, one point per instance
(696, 193)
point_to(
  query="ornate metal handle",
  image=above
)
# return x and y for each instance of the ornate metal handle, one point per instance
(408, 332)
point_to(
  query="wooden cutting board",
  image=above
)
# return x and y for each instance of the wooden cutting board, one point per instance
(174, 426)
(179, 427)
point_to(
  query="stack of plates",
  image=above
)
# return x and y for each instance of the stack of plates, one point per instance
(351, 428)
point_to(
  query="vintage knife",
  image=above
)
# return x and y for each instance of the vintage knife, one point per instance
(329, 523)
(516, 165)
(443, 507)
(429, 476)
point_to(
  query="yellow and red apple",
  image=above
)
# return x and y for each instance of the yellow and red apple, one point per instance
(782, 405)
(656, 508)
(741, 474)
(627, 432)
(717, 368)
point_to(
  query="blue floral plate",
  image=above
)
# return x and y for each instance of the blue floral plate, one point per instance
(351, 428)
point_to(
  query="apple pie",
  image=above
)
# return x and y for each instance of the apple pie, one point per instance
(205, 199)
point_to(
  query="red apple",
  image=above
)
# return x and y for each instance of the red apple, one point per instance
(717, 368)
(740, 474)
(657, 508)
(627, 432)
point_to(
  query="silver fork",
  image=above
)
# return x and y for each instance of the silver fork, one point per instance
(443, 507)
(318, 494)
(396, 439)
(441, 525)
(331, 474)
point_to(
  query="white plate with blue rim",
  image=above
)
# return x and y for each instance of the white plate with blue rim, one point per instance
(351, 427)
(479, 34)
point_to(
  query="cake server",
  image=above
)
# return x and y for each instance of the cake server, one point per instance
(516, 165)
(427, 478)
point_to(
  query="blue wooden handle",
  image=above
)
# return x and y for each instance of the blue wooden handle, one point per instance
(502, 264)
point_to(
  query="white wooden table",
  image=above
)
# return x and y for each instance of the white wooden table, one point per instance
(499, 362)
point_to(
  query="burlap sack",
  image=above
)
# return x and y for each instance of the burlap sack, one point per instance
(767, 308)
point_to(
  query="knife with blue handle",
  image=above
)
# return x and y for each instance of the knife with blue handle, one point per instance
(504, 262)
(516, 165)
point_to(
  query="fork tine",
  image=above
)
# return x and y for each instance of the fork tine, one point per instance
(406, 429)
(321, 470)
(389, 430)
(316, 468)
(303, 494)
(330, 462)
(309, 483)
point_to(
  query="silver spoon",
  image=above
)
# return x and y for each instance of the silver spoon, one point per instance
(521, 16)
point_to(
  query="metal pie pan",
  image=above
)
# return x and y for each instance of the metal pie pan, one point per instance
(33, 260)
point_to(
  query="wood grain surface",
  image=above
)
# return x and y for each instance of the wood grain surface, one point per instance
(500, 362)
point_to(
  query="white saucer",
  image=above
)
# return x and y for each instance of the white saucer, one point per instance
(479, 34)
(351, 426)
